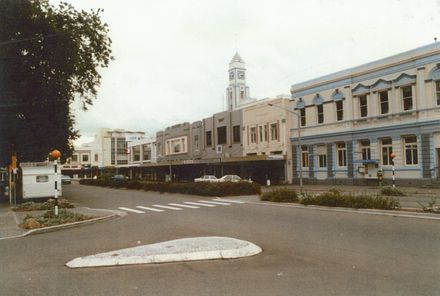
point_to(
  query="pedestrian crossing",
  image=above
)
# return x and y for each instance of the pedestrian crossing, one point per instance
(186, 205)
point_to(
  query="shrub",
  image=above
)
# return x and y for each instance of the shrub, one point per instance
(334, 198)
(49, 219)
(391, 191)
(200, 188)
(280, 195)
(48, 205)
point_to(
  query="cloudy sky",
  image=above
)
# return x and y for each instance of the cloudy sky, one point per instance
(171, 56)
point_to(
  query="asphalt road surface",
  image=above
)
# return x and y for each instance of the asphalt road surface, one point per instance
(305, 251)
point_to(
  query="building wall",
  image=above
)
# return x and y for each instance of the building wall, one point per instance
(174, 143)
(366, 119)
(218, 123)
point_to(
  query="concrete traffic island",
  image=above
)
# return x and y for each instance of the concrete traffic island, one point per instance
(187, 249)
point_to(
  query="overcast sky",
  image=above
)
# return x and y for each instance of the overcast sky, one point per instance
(171, 56)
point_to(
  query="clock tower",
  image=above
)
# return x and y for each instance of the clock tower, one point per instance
(237, 92)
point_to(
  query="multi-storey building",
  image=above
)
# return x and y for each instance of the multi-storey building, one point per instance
(266, 127)
(355, 121)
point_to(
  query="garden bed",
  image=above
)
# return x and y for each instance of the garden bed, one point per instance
(334, 198)
(48, 218)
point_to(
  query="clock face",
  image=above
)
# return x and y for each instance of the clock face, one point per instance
(231, 75)
(240, 75)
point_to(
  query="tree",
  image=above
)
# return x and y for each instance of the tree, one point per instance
(49, 57)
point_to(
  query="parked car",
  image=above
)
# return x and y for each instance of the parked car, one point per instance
(119, 178)
(66, 179)
(233, 178)
(206, 178)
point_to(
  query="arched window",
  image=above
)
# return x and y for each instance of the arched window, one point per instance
(434, 76)
(338, 98)
(318, 100)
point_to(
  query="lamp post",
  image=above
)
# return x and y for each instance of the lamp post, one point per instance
(55, 154)
(298, 116)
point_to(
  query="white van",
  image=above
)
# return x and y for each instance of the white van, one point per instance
(38, 179)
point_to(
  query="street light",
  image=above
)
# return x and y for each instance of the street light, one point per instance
(298, 116)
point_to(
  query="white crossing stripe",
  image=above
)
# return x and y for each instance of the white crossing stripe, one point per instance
(184, 206)
(216, 202)
(198, 204)
(131, 210)
(150, 209)
(167, 207)
(229, 200)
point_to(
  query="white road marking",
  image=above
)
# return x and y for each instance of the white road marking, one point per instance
(198, 204)
(229, 200)
(216, 202)
(131, 210)
(167, 207)
(150, 209)
(184, 206)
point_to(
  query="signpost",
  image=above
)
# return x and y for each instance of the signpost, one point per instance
(392, 155)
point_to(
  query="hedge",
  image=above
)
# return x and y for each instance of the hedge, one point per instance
(199, 188)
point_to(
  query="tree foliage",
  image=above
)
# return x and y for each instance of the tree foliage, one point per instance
(50, 56)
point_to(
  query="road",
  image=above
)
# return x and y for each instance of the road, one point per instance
(306, 251)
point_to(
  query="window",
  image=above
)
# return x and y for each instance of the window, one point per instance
(304, 157)
(363, 105)
(411, 150)
(322, 161)
(322, 156)
(303, 116)
(266, 133)
(96, 157)
(260, 132)
(85, 157)
(274, 132)
(387, 149)
(384, 106)
(146, 152)
(136, 153)
(221, 135)
(196, 142)
(365, 150)
(42, 179)
(342, 154)
(75, 158)
(437, 91)
(242, 95)
(339, 111)
(253, 135)
(320, 111)
(209, 138)
(176, 148)
(407, 98)
(236, 133)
